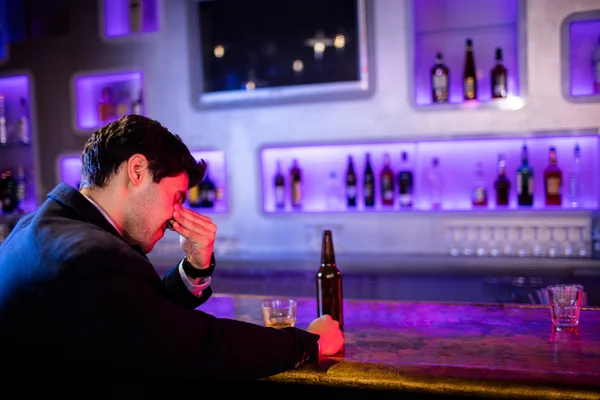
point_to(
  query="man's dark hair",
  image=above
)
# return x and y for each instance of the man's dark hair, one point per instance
(116, 142)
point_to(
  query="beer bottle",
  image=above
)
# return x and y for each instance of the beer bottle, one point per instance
(329, 282)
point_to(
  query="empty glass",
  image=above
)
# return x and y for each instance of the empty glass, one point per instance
(279, 313)
(565, 304)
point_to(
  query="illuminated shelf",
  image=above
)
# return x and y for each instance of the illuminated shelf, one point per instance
(15, 152)
(444, 26)
(458, 158)
(580, 34)
(68, 170)
(124, 88)
(119, 21)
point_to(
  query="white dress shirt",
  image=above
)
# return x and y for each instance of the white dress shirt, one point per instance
(196, 290)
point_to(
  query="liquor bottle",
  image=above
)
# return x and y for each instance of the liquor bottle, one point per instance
(23, 124)
(329, 282)
(405, 182)
(3, 130)
(136, 20)
(21, 188)
(469, 76)
(296, 180)
(436, 184)
(596, 60)
(350, 183)
(122, 107)
(479, 195)
(440, 80)
(8, 192)
(499, 77)
(553, 180)
(525, 179)
(193, 196)
(106, 108)
(386, 177)
(208, 191)
(279, 184)
(137, 105)
(575, 179)
(369, 182)
(502, 184)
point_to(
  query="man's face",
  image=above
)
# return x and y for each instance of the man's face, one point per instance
(151, 207)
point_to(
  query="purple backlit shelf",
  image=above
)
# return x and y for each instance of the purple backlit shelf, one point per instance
(125, 88)
(444, 26)
(18, 151)
(68, 170)
(580, 45)
(458, 159)
(122, 18)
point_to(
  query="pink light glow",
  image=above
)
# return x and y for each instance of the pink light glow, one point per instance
(458, 159)
(88, 93)
(70, 173)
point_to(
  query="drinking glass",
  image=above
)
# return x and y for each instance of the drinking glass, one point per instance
(565, 304)
(279, 313)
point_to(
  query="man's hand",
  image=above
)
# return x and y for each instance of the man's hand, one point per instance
(331, 339)
(196, 236)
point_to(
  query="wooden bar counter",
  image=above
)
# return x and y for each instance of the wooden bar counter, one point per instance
(457, 349)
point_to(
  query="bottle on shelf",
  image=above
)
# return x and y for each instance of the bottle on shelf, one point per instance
(369, 182)
(469, 74)
(137, 105)
(436, 184)
(479, 195)
(405, 182)
(122, 107)
(208, 191)
(575, 179)
(596, 61)
(525, 184)
(136, 15)
(329, 282)
(350, 183)
(8, 192)
(553, 180)
(3, 129)
(23, 123)
(386, 178)
(499, 77)
(279, 185)
(296, 181)
(21, 188)
(502, 183)
(440, 80)
(106, 108)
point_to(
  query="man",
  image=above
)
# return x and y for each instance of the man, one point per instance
(79, 295)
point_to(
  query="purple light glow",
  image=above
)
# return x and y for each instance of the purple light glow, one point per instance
(444, 25)
(116, 17)
(70, 173)
(88, 93)
(583, 37)
(13, 88)
(458, 159)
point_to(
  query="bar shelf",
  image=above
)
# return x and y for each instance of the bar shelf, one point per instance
(68, 170)
(580, 46)
(129, 18)
(17, 136)
(102, 97)
(444, 26)
(458, 158)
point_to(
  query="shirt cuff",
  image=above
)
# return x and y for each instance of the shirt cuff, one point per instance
(196, 290)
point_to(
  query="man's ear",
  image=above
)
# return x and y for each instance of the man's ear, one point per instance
(137, 169)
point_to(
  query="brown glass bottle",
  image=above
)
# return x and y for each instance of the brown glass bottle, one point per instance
(469, 76)
(440, 80)
(329, 282)
(296, 178)
(553, 180)
(499, 77)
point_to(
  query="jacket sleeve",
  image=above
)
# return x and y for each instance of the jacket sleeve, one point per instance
(126, 323)
(175, 290)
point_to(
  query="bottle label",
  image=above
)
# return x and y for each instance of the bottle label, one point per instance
(440, 82)
(469, 87)
(296, 195)
(499, 87)
(3, 132)
(279, 195)
(405, 199)
(351, 192)
(479, 195)
(553, 186)
(368, 190)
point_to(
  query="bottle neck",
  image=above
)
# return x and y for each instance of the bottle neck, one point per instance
(327, 251)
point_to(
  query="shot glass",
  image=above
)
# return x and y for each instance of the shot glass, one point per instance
(565, 304)
(279, 313)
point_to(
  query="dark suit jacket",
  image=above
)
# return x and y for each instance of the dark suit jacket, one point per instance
(75, 297)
